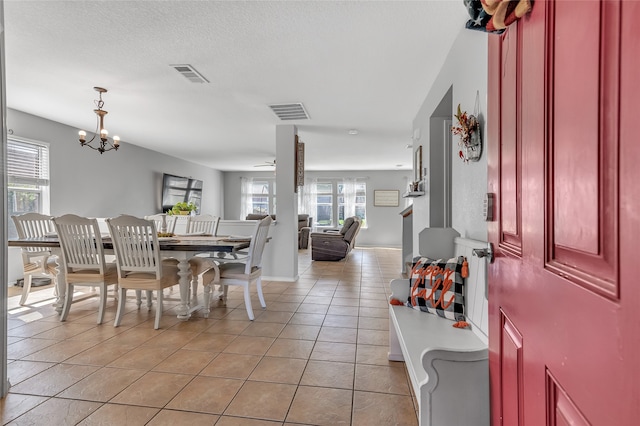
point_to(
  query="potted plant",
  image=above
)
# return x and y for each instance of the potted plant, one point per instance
(182, 208)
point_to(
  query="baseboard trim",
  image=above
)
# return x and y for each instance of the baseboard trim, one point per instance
(286, 279)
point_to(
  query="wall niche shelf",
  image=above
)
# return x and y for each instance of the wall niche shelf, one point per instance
(413, 194)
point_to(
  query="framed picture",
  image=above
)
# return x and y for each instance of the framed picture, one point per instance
(386, 198)
(417, 164)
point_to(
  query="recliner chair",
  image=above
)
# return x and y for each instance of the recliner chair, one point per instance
(304, 230)
(335, 245)
(304, 227)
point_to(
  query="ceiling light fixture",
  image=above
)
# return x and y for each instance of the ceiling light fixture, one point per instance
(353, 131)
(105, 144)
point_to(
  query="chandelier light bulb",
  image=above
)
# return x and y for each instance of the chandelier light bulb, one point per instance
(83, 135)
(116, 140)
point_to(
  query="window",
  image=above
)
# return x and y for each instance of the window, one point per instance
(339, 198)
(27, 179)
(358, 196)
(324, 204)
(262, 197)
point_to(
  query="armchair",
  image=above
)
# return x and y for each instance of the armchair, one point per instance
(304, 230)
(304, 227)
(334, 245)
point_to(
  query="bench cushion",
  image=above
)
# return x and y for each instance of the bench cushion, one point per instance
(437, 286)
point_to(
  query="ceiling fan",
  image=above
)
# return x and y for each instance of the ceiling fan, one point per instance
(267, 164)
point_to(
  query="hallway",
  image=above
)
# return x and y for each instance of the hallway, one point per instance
(316, 356)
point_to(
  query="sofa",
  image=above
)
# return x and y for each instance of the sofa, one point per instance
(333, 244)
(304, 227)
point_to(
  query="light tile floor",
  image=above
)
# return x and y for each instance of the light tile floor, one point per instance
(316, 356)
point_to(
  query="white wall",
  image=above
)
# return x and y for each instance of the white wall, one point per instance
(465, 71)
(86, 183)
(384, 224)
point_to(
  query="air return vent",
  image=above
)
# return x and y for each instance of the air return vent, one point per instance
(190, 73)
(290, 111)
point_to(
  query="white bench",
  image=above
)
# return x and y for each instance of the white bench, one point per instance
(448, 366)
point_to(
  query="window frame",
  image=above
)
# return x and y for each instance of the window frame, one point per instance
(40, 182)
(332, 204)
(336, 205)
(271, 195)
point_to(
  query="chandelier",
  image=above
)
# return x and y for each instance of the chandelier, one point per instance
(105, 144)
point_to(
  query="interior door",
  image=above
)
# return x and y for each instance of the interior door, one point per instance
(564, 163)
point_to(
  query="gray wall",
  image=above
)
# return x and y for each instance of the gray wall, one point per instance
(384, 224)
(128, 181)
(86, 183)
(465, 72)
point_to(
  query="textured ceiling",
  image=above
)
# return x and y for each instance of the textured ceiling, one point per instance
(361, 65)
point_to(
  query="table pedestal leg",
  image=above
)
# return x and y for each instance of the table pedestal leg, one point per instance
(185, 280)
(61, 283)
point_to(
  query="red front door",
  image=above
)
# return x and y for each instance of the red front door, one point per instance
(564, 163)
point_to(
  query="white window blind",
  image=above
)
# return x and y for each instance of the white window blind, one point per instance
(27, 163)
(27, 179)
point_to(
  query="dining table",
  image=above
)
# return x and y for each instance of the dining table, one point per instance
(179, 247)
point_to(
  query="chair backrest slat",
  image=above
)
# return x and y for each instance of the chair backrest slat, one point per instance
(258, 241)
(135, 242)
(33, 225)
(157, 219)
(204, 223)
(80, 242)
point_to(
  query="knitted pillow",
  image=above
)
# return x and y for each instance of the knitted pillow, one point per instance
(437, 286)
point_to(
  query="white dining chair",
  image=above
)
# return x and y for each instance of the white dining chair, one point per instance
(241, 274)
(36, 261)
(159, 219)
(83, 259)
(201, 224)
(135, 241)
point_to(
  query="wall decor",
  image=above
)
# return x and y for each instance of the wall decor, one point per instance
(495, 16)
(417, 165)
(468, 128)
(299, 164)
(386, 198)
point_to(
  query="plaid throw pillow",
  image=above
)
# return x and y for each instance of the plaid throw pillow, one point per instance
(437, 286)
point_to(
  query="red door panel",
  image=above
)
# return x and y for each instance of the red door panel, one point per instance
(564, 162)
(583, 145)
(509, 155)
(511, 366)
(629, 200)
(575, 185)
(561, 409)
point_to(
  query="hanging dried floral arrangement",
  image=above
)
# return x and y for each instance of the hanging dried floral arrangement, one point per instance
(468, 128)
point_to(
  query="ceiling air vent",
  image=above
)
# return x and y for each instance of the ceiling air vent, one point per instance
(190, 73)
(290, 111)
